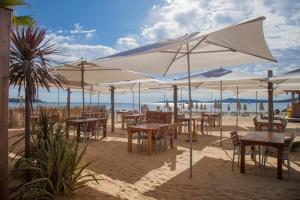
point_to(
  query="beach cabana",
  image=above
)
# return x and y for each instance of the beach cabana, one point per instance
(235, 45)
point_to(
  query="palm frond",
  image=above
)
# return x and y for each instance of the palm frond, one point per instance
(23, 21)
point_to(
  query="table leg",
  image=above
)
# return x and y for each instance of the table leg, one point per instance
(202, 124)
(104, 130)
(129, 140)
(279, 161)
(123, 123)
(194, 128)
(242, 167)
(149, 142)
(172, 141)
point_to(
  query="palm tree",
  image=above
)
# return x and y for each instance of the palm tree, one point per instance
(18, 20)
(29, 69)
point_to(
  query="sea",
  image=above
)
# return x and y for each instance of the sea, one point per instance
(227, 107)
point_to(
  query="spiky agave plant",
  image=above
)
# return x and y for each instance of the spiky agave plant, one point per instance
(30, 68)
(54, 163)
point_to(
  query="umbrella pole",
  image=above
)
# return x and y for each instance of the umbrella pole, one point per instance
(164, 106)
(175, 94)
(211, 106)
(221, 111)
(237, 108)
(181, 99)
(270, 101)
(83, 103)
(139, 97)
(112, 90)
(190, 109)
(98, 99)
(132, 100)
(256, 104)
(91, 98)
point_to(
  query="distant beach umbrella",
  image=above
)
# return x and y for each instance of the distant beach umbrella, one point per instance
(201, 106)
(245, 107)
(215, 106)
(239, 106)
(204, 107)
(197, 106)
(228, 107)
(167, 104)
(183, 105)
(261, 106)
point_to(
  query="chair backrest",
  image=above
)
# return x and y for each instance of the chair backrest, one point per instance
(288, 143)
(171, 128)
(255, 123)
(162, 130)
(235, 138)
(283, 122)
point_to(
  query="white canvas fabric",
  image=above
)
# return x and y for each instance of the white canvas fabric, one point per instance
(236, 45)
(291, 77)
(94, 74)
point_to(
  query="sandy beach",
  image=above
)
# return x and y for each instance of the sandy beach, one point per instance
(165, 175)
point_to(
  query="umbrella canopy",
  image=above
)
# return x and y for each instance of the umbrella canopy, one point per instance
(93, 74)
(287, 78)
(204, 108)
(229, 79)
(239, 44)
(236, 45)
(197, 106)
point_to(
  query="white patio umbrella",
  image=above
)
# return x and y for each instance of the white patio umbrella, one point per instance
(236, 45)
(90, 73)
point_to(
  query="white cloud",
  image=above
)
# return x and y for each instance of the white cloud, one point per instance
(78, 29)
(72, 50)
(176, 17)
(126, 43)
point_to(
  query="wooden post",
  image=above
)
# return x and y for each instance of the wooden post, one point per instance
(5, 26)
(112, 91)
(175, 96)
(292, 102)
(68, 102)
(270, 101)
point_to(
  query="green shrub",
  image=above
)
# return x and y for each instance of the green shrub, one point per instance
(54, 163)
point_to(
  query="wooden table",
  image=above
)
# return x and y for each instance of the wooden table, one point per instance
(80, 121)
(194, 120)
(119, 112)
(150, 129)
(134, 117)
(263, 138)
(213, 116)
(265, 124)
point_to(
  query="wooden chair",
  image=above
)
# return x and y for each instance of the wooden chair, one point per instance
(281, 127)
(90, 127)
(236, 148)
(272, 152)
(161, 135)
(182, 123)
(170, 133)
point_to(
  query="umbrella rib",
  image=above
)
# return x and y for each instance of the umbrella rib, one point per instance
(202, 40)
(173, 60)
(234, 50)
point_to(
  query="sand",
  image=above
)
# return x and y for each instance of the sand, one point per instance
(165, 175)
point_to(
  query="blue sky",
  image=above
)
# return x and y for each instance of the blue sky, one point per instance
(100, 27)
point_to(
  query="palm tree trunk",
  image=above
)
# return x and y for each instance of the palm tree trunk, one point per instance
(5, 16)
(27, 130)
